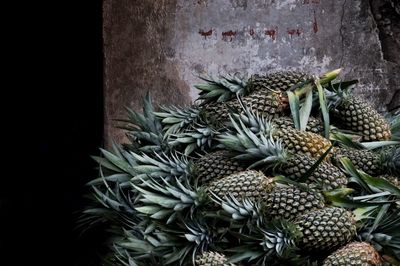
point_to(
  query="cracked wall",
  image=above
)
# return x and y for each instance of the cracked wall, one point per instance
(160, 46)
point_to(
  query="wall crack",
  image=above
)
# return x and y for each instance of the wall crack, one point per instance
(341, 32)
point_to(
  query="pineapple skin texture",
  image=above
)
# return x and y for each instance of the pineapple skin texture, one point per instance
(285, 202)
(216, 165)
(290, 202)
(282, 80)
(326, 174)
(303, 142)
(266, 103)
(325, 229)
(359, 116)
(365, 160)
(210, 258)
(355, 253)
(314, 125)
(251, 184)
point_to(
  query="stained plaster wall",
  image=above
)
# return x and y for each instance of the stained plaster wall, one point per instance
(160, 46)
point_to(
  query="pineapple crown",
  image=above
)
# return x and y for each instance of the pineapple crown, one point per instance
(200, 234)
(251, 147)
(338, 93)
(240, 210)
(144, 130)
(200, 138)
(165, 166)
(275, 240)
(383, 232)
(301, 109)
(140, 246)
(280, 235)
(179, 119)
(168, 201)
(221, 89)
(253, 120)
(188, 239)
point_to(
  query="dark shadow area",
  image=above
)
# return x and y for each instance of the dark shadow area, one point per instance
(57, 125)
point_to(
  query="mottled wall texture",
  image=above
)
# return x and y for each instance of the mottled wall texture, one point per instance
(160, 46)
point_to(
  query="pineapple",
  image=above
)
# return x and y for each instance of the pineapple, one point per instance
(325, 229)
(293, 161)
(210, 258)
(265, 94)
(289, 202)
(307, 143)
(282, 81)
(157, 201)
(372, 163)
(216, 165)
(314, 125)
(365, 160)
(352, 113)
(295, 141)
(269, 104)
(354, 253)
(277, 201)
(326, 175)
(318, 230)
(392, 179)
(253, 185)
(226, 88)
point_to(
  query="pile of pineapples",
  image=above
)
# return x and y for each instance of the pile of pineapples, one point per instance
(278, 169)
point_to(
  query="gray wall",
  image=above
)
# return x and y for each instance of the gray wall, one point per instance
(159, 46)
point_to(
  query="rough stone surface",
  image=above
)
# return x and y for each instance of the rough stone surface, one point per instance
(160, 46)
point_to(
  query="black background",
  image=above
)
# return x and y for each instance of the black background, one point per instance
(52, 109)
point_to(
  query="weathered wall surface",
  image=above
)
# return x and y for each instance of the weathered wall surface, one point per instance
(160, 46)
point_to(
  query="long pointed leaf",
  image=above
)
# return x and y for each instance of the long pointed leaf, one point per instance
(378, 144)
(324, 108)
(305, 110)
(348, 165)
(294, 108)
(310, 171)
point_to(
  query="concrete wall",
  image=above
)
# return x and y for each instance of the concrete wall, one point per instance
(159, 46)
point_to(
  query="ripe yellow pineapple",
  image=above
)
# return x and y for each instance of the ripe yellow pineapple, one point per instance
(354, 253)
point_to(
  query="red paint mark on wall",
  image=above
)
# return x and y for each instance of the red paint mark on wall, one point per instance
(228, 35)
(206, 34)
(292, 32)
(299, 31)
(271, 33)
(315, 25)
